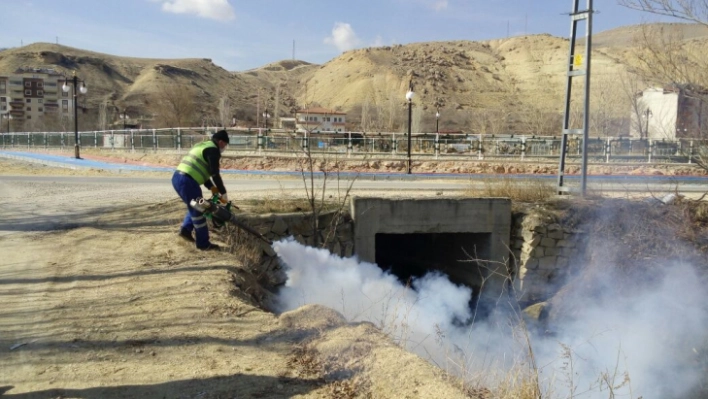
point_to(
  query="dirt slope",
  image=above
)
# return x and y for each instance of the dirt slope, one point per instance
(110, 303)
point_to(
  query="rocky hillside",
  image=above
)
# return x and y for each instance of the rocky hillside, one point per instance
(522, 75)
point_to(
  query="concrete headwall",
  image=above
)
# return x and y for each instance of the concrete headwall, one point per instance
(374, 216)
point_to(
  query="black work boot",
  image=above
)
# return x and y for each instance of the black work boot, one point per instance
(211, 247)
(186, 234)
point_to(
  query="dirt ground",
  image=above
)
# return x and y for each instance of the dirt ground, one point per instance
(102, 300)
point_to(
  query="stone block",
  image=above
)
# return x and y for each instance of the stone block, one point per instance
(548, 243)
(279, 226)
(557, 234)
(565, 244)
(540, 230)
(348, 249)
(554, 227)
(551, 251)
(547, 262)
(538, 252)
(337, 248)
(299, 238)
(531, 264)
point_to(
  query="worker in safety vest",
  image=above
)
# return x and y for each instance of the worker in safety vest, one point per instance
(200, 166)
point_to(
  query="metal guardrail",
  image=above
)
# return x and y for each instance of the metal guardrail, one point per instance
(423, 145)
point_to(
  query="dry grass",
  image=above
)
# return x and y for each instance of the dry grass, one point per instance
(270, 204)
(515, 189)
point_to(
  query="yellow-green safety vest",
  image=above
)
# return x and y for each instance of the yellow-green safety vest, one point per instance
(194, 163)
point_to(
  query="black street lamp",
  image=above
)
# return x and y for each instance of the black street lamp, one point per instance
(437, 121)
(266, 115)
(9, 118)
(124, 117)
(83, 90)
(409, 97)
(647, 114)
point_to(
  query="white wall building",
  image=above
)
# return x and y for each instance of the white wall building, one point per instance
(668, 113)
(320, 120)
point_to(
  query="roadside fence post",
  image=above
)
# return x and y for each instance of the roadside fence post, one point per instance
(154, 140)
(607, 150)
(651, 150)
(350, 147)
(690, 152)
(436, 146)
(479, 148)
(132, 141)
(523, 147)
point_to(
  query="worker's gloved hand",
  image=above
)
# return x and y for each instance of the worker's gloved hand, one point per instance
(224, 198)
(214, 190)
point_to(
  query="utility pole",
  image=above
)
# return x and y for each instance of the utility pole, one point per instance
(577, 60)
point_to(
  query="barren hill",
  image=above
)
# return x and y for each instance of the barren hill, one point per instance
(466, 80)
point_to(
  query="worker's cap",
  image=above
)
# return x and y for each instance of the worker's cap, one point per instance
(221, 135)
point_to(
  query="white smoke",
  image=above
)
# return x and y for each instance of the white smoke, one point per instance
(650, 338)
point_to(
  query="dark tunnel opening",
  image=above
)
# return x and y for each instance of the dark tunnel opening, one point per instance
(413, 255)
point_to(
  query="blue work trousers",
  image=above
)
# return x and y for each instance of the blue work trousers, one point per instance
(188, 189)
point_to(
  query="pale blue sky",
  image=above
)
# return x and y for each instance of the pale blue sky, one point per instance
(245, 34)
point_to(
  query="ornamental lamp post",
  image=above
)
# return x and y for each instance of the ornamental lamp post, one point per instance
(7, 116)
(647, 114)
(409, 98)
(266, 115)
(83, 90)
(124, 116)
(437, 121)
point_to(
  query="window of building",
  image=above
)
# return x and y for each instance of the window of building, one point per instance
(3, 99)
(28, 84)
(40, 84)
(64, 93)
(28, 92)
(29, 100)
(29, 116)
(41, 110)
(29, 108)
(40, 100)
(65, 105)
(40, 92)
(3, 86)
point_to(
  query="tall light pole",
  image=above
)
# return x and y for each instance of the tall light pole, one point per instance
(83, 90)
(647, 114)
(124, 116)
(437, 121)
(409, 97)
(266, 115)
(9, 118)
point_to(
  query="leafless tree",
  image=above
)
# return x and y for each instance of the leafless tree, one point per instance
(688, 10)
(173, 105)
(102, 115)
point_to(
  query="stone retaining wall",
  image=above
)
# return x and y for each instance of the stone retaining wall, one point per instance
(335, 233)
(544, 253)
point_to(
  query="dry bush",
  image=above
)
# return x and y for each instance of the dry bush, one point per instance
(344, 389)
(516, 189)
(304, 361)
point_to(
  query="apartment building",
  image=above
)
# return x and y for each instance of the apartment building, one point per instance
(33, 93)
(320, 120)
